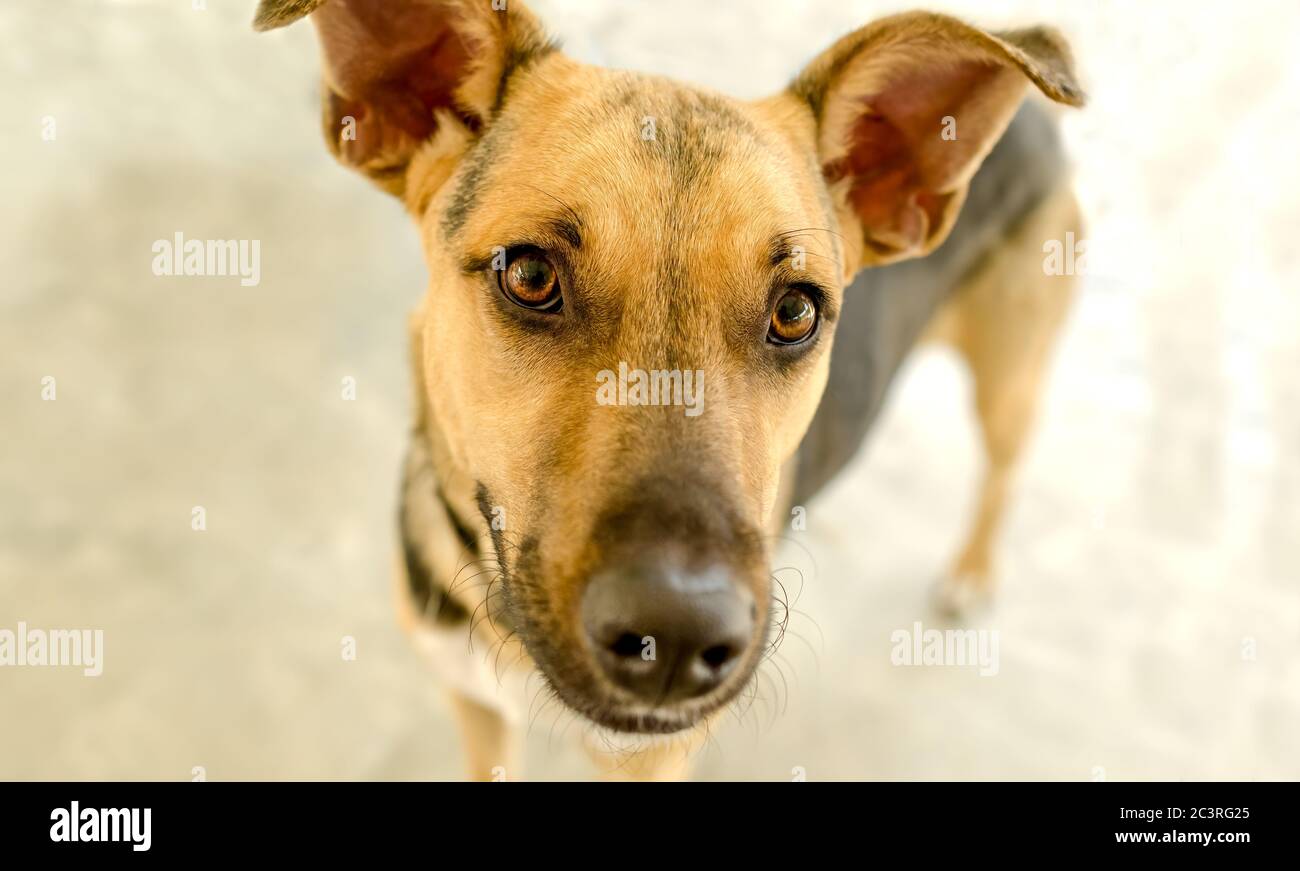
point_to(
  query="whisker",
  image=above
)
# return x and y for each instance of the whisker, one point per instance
(809, 230)
(577, 219)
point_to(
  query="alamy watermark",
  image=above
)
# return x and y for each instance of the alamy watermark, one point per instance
(36, 647)
(181, 256)
(627, 386)
(77, 824)
(952, 647)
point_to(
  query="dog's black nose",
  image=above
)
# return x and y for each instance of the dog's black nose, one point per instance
(666, 634)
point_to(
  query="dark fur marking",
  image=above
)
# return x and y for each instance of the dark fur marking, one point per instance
(503, 617)
(782, 251)
(425, 591)
(422, 506)
(520, 58)
(568, 231)
(485, 508)
(471, 181)
(428, 594)
(467, 538)
(693, 134)
(688, 134)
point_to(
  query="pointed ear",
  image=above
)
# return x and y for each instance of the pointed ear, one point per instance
(908, 107)
(394, 70)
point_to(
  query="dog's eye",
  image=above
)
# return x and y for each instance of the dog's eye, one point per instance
(793, 319)
(529, 280)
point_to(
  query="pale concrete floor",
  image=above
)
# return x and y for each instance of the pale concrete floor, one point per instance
(1154, 533)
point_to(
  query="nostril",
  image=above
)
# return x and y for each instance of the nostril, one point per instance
(626, 645)
(717, 656)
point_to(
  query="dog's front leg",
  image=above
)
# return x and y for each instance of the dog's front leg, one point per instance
(492, 744)
(488, 723)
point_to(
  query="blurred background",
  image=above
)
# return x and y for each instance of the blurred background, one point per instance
(1150, 603)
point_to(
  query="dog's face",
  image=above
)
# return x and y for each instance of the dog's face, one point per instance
(638, 227)
(633, 295)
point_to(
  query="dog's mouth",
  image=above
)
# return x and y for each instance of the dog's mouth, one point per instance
(610, 708)
(641, 721)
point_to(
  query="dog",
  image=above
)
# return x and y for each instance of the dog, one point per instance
(579, 222)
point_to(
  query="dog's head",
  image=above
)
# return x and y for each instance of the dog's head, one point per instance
(634, 287)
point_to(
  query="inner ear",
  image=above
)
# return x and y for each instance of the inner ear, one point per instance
(378, 109)
(393, 68)
(906, 110)
(900, 183)
(911, 112)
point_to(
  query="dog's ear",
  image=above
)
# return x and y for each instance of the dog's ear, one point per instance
(908, 107)
(393, 68)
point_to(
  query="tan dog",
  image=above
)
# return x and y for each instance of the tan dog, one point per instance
(634, 289)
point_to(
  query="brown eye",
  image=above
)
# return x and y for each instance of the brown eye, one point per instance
(529, 280)
(793, 319)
